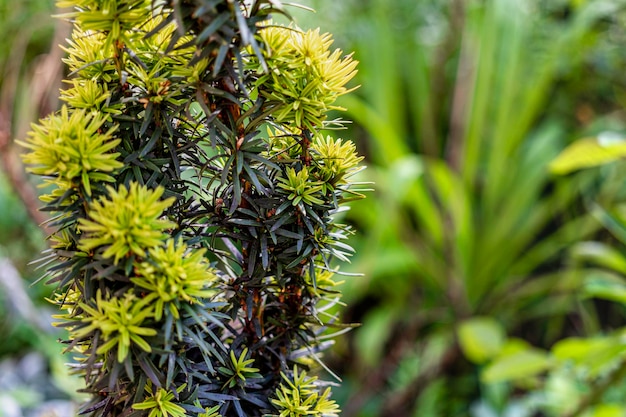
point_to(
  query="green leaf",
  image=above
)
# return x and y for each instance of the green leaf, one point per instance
(578, 349)
(605, 285)
(516, 365)
(608, 410)
(595, 354)
(589, 152)
(481, 338)
(600, 254)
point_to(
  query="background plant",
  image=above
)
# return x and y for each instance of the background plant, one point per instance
(465, 106)
(588, 366)
(189, 241)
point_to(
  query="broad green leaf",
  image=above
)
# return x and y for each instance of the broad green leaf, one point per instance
(594, 354)
(589, 152)
(605, 285)
(518, 365)
(514, 345)
(601, 254)
(481, 338)
(579, 349)
(608, 410)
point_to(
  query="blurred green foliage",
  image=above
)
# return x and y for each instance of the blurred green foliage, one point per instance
(589, 367)
(466, 244)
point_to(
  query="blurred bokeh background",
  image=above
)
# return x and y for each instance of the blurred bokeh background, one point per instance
(462, 106)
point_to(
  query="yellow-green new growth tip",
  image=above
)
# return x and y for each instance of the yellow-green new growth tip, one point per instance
(121, 322)
(127, 221)
(305, 78)
(116, 19)
(324, 282)
(300, 187)
(335, 159)
(299, 398)
(239, 369)
(161, 404)
(72, 148)
(89, 95)
(209, 412)
(173, 275)
(88, 58)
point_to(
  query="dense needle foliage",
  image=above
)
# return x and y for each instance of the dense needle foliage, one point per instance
(195, 199)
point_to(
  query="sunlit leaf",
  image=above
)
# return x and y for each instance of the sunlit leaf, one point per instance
(595, 354)
(600, 254)
(608, 410)
(589, 152)
(481, 338)
(518, 365)
(605, 285)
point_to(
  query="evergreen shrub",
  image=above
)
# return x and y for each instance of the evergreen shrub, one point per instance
(195, 200)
